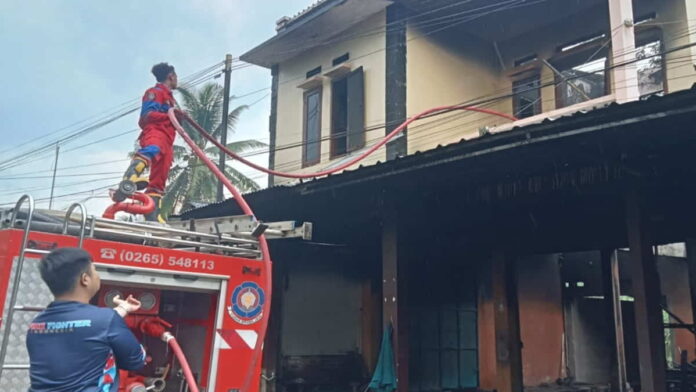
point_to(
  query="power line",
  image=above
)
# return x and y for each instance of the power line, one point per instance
(44, 188)
(601, 71)
(58, 176)
(63, 168)
(508, 5)
(108, 112)
(197, 78)
(66, 194)
(481, 101)
(133, 131)
(18, 159)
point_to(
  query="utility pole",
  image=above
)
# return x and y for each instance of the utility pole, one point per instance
(225, 112)
(53, 182)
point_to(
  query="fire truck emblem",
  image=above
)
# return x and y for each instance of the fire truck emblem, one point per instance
(246, 304)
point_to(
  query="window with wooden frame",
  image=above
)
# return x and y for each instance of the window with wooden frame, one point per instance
(348, 113)
(311, 143)
(526, 99)
(650, 66)
(581, 70)
(443, 328)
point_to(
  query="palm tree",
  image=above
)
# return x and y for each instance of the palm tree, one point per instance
(190, 181)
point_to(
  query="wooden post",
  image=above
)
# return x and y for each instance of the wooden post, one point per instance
(508, 346)
(646, 291)
(394, 294)
(691, 262)
(486, 329)
(612, 296)
(608, 294)
(370, 321)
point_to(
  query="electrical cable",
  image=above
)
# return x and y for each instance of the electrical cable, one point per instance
(19, 159)
(385, 140)
(665, 52)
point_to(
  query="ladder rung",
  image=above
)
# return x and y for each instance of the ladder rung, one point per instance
(16, 366)
(28, 308)
(38, 251)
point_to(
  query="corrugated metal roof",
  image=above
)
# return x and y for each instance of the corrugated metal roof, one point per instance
(516, 137)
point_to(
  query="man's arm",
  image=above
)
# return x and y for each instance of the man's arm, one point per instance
(129, 353)
(154, 108)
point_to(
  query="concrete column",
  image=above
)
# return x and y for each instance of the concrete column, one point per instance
(679, 31)
(623, 48)
(691, 25)
(508, 347)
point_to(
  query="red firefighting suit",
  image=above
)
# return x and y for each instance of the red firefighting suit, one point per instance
(157, 136)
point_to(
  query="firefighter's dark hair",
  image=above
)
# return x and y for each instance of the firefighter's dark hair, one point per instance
(161, 71)
(62, 268)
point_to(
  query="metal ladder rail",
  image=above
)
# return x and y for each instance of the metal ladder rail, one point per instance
(20, 266)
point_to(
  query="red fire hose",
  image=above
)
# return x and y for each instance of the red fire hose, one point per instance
(188, 375)
(144, 207)
(147, 206)
(434, 111)
(157, 328)
(247, 210)
(263, 244)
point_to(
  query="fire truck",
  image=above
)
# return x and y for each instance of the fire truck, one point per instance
(202, 281)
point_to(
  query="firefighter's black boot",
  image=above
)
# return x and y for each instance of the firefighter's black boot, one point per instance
(131, 179)
(155, 216)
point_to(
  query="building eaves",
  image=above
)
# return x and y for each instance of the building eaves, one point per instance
(609, 117)
(312, 28)
(286, 25)
(307, 13)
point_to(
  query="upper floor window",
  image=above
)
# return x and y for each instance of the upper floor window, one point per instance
(526, 101)
(650, 65)
(581, 73)
(348, 113)
(311, 151)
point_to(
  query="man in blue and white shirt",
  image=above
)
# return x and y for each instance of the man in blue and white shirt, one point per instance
(74, 346)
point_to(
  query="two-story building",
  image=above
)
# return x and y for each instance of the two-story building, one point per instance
(347, 72)
(501, 253)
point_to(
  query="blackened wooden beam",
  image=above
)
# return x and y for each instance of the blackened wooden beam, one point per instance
(508, 345)
(646, 291)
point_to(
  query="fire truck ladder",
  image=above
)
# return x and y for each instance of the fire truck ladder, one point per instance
(19, 265)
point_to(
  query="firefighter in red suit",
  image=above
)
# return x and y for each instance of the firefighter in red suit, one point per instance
(156, 141)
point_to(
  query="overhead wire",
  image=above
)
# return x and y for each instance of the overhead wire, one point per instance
(382, 125)
(262, 90)
(509, 4)
(108, 112)
(16, 160)
(517, 4)
(101, 188)
(484, 101)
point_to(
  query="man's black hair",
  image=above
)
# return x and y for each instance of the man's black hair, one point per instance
(62, 268)
(161, 71)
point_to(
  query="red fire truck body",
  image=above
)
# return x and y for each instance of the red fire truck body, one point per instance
(213, 301)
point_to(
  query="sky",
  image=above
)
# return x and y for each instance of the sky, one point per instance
(65, 63)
